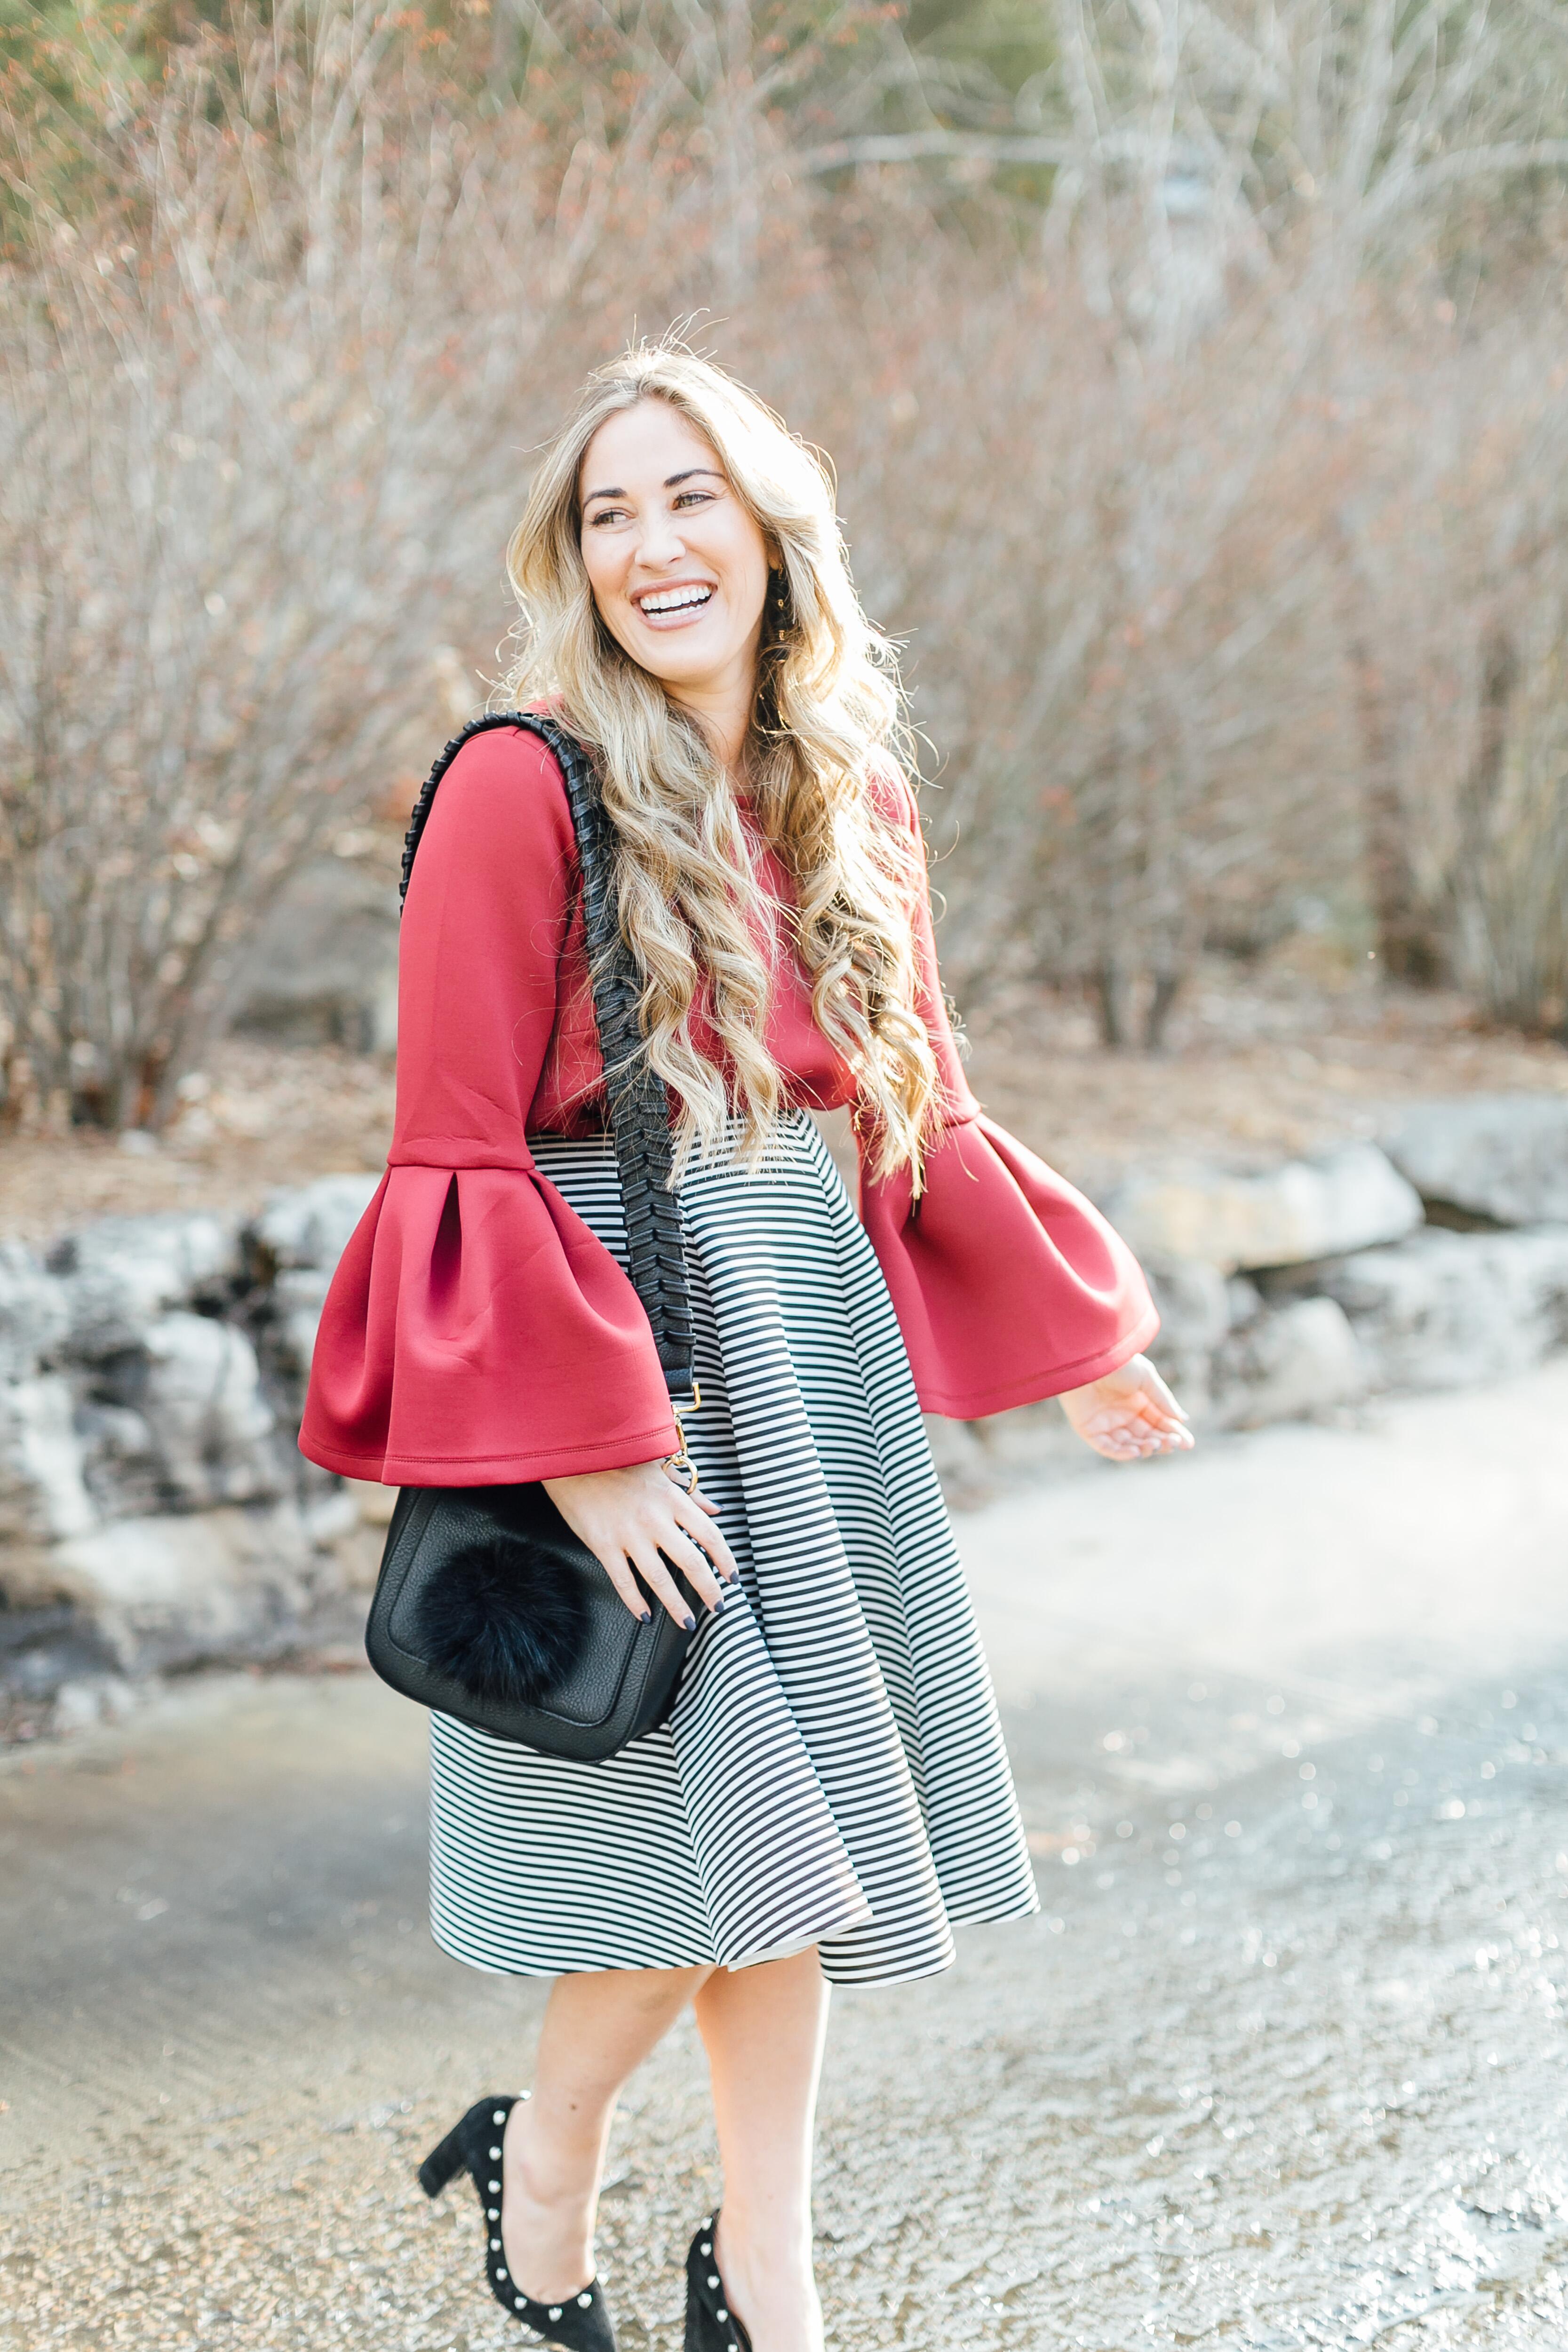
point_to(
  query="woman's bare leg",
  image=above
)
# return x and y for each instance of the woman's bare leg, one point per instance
(597, 2029)
(763, 2029)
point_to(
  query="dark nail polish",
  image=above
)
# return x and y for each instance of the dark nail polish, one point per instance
(690, 1622)
(647, 1616)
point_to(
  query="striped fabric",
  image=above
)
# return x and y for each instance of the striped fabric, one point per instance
(833, 1771)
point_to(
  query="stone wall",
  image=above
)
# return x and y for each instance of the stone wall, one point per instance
(1437, 1257)
(155, 1512)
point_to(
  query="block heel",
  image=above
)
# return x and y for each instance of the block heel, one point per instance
(443, 2162)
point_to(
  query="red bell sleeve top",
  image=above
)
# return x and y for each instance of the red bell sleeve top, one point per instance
(477, 1333)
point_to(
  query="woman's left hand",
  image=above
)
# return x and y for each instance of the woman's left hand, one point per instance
(1129, 1414)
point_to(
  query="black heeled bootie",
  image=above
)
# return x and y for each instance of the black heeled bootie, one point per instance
(710, 2324)
(580, 2324)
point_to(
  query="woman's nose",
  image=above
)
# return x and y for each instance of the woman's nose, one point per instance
(661, 543)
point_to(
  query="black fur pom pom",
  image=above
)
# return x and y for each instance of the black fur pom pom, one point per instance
(502, 1621)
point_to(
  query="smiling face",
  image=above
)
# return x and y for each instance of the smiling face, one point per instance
(678, 566)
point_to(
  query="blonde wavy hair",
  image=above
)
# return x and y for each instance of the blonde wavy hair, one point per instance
(827, 717)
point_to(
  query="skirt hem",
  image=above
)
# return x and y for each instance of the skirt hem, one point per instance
(905, 1973)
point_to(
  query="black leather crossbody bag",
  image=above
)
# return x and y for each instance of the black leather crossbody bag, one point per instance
(487, 1607)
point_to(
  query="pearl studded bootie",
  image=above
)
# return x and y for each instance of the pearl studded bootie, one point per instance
(710, 2324)
(579, 2324)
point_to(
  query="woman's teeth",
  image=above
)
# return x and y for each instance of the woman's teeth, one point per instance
(675, 600)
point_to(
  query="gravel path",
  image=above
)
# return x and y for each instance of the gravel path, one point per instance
(1279, 2064)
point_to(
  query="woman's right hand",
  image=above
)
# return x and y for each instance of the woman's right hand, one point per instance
(632, 1515)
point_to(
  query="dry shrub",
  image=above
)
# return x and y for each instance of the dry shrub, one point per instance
(1454, 562)
(250, 464)
(1117, 604)
(1230, 563)
(266, 416)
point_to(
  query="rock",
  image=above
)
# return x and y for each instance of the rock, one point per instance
(959, 1459)
(1027, 1438)
(122, 1273)
(1302, 1358)
(330, 1518)
(1351, 1198)
(1445, 1309)
(299, 1297)
(286, 1330)
(1243, 1299)
(35, 1312)
(374, 1503)
(42, 1494)
(1196, 1313)
(173, 1590)
(120, 1460)
(91, 1699)
(44, 1642)
(1499, 1156)
(1234, 1359)
(294, 1247)
(977, 1460)
(195, 1385)
(311, 1227)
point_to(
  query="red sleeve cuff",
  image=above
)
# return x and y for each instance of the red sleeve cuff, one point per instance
(477, 1333)
(1008, 1284)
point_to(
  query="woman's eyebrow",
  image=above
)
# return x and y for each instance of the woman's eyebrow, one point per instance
(671, 482)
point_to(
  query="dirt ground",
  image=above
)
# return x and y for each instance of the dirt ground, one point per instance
(1278, 2066)
(1266, 1063)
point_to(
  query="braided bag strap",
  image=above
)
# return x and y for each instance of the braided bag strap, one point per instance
(637, 1105)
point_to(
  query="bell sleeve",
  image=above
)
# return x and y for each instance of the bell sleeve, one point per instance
(476, 1332)
(1008, 1284)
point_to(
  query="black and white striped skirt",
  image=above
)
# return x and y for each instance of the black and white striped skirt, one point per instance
(832, 1772)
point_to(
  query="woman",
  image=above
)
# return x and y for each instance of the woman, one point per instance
(830, 1792)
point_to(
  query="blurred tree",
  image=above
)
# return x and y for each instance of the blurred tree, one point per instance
(1228, 190)
(1194, 376)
